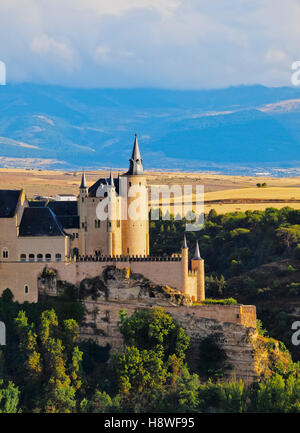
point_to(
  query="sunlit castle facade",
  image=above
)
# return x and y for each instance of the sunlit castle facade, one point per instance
(107, 224)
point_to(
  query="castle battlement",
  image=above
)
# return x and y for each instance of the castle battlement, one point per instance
(130, 259)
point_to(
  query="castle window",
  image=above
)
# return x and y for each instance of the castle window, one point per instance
(97, 224)
(31, 257)
(5, 254)
(82, 225)
(26, 289)
(76, 235)
(40, 257)
(129, 183)
(48, 257)
(23, 257)
(58, 257)
(82, 199)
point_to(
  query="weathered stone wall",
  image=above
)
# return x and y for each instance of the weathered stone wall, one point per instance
(239, 342)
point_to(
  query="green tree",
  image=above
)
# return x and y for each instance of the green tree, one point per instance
(9, 398)
(51, 361)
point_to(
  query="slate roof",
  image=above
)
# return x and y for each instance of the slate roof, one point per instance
(66, 213)
(64, 208)
(136, 162)
(93, 188)
(40, 221)
(8, 202)
(37, 203)
(69, 221)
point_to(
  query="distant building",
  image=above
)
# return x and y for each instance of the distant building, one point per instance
(65, 197)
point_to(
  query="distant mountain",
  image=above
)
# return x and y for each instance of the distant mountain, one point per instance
(238, 126)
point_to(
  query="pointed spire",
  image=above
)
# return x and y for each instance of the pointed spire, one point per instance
(83, 181)
(136, 166)
(184, 245)
(111, 179)
(197, 253)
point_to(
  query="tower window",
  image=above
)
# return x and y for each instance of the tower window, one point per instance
(40, 257)
(58, 257)
(23, 257)
(26, 288)
(31, 257)
(5, 254)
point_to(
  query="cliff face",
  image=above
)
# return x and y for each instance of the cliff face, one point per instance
(247, 357)
(233, 326)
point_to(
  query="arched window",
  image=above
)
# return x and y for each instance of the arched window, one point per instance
(5, 253)
(26, 289)
(23, 257)
(48, 257)
(58, 257)
(40, 257)
(31, 257)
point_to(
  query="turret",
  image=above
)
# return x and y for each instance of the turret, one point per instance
(185, 266)
(111, 223)
(135, 224)
(82, 210)
(198, 266)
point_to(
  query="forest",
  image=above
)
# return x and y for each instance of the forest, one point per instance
(45, 368)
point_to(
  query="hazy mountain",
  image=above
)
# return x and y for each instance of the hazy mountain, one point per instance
(177, 129)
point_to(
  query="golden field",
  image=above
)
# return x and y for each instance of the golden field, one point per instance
(222, 193)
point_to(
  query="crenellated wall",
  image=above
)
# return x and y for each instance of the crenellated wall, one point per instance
(162, 271)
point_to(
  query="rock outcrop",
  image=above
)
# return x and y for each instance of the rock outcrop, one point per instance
(247, 353)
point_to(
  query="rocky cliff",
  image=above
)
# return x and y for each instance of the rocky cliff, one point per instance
(248, 355)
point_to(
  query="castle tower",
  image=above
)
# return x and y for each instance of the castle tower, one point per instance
(82, 210)
(198, 266)
(185, 266)
(112, 220)
(135, 222)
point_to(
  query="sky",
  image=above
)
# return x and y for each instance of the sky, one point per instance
(174, 44)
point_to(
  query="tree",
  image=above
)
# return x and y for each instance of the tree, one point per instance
(154, 330)
(9, 398)
(51, 361)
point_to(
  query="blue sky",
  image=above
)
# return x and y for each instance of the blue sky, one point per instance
(179, 44)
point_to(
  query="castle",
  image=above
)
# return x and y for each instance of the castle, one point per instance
(70, 237)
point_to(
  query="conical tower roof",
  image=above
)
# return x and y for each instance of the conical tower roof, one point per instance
(136, 162)
(197, 253)
(111, 179)
(83, 181)
(184, 245)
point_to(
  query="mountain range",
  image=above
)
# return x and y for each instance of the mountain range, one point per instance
(231, 130)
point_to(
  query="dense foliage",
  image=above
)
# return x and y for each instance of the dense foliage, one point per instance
(45, 369)
(243, 240)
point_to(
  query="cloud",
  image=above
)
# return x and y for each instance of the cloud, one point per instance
(46, 46)
(158, 43)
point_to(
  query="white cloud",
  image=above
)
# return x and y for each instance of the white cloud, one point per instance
(162, 43)
(47, 46)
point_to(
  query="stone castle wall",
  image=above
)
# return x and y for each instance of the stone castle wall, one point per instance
(14, 275)
(238, 341)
